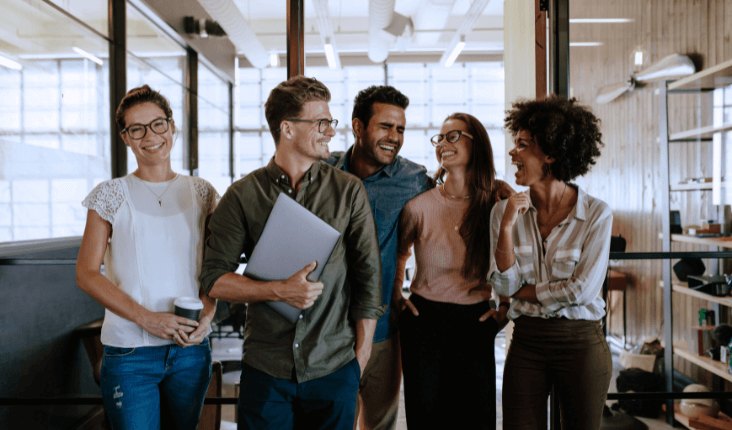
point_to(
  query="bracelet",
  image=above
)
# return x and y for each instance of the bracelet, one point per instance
(504, 252)
(506, 304)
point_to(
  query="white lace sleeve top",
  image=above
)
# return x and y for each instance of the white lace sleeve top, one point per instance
(156, 246)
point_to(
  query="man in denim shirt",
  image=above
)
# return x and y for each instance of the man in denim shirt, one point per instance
(378, 122)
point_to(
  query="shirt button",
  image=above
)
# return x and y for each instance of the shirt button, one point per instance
(300, 316)
(297, 345)
(289, 191)
(283, 176)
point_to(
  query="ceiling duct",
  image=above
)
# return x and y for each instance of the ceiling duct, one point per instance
(380, 16)
(326, 29)
(475, 11)
(230, 18)
(202, 27)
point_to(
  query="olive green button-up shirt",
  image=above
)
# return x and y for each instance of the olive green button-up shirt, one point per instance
(324, 337)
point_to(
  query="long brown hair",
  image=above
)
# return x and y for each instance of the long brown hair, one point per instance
(475, 228)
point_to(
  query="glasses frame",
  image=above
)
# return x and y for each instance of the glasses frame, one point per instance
(331, 123)
(441, 137)
(145, 127)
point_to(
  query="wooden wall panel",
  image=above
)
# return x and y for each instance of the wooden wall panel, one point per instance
(628, 174)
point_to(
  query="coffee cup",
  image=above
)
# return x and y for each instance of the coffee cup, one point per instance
(188, 307)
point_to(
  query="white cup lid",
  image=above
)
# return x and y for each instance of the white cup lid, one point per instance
(188, 303)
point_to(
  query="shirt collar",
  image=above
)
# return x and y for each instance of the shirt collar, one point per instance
(387, 170)
(279, 176)
(580, 210)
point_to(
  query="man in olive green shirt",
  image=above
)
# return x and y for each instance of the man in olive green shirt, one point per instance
(305, 374)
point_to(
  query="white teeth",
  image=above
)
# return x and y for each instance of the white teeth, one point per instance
(152, 148)
(447, 153)
(517, 164)
(324, 143)
(387, 148)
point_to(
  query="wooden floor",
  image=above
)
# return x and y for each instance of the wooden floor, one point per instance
(230, 349)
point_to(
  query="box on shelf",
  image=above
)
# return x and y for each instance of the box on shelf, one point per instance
(699, 339)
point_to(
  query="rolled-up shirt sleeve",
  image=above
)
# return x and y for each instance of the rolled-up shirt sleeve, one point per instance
(227, 241)
(506, 283)
(364, 259)
(586, 282)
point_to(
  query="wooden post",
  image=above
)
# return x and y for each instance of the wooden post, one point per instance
(295, 38)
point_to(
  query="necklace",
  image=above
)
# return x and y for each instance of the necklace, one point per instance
(445, 193)
(558, 206)
(160, 197)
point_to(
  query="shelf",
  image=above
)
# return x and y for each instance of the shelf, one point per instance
(682, 288)
(700, 133)
(714, 77)
(724, 242)
(716, 367)
(694, 187)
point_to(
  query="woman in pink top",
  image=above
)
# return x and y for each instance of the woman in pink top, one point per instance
(447, 333)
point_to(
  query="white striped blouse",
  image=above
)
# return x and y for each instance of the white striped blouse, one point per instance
(570, 272)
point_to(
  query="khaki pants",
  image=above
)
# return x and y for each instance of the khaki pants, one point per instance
(571, 354)
(378, 394)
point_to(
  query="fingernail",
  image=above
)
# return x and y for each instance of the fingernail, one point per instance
(193, 337)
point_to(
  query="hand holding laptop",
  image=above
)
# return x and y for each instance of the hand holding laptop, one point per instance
(297, 291)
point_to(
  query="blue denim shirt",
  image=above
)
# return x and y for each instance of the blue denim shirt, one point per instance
(389, 190)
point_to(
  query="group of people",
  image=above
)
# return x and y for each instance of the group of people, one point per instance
(540, 254)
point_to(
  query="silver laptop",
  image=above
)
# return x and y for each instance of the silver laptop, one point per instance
(293, 237)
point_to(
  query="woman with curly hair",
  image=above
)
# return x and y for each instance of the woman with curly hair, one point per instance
(551, 246)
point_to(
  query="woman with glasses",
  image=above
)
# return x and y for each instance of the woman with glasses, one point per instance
(148, 230)
(551, 246)
(447, 327)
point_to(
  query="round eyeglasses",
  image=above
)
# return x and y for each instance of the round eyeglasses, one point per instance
(323, 124)
(138, 131)
(451, 136)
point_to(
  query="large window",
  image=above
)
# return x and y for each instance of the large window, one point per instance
(54, 121)
(214, 147)
(434, 92)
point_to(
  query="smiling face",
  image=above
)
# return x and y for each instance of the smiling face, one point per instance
(380, 141)
(307, 140)
(153, 148)
(530, 160)
(454, 155)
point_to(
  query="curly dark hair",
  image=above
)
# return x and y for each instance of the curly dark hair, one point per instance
(563, 129)
(139, 95)
(363, 104)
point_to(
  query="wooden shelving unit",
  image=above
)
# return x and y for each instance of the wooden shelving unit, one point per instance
(712, 78)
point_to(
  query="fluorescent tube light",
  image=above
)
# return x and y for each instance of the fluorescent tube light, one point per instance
(274, 59)
(87, 55)
(585, 44)
(599, 20)
(455, 52)
(10, 64)
(329, 54)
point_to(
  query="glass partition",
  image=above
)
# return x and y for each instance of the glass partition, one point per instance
(54, 121)
(214, 147)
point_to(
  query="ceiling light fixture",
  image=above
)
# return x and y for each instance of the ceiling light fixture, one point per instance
(599, 20)
(330, 54)
(274, 59)
(455, 52)
(87, 55)
(585, 43)
(10, 64)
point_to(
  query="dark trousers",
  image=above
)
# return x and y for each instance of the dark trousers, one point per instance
(571, 354)
(325, 403)
(449, 365)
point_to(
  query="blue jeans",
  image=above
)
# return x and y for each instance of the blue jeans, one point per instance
(325, 403)
(134, 380)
